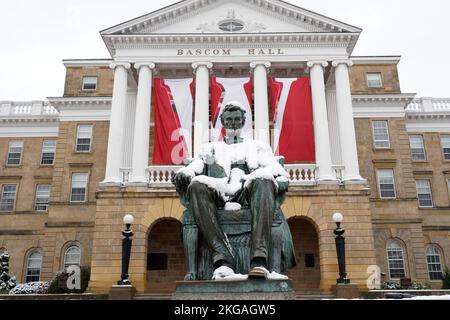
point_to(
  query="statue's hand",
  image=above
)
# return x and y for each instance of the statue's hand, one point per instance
(283, 186)
(181, 181)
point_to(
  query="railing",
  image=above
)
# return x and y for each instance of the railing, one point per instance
(160, 176)
(301, 174)
(26, 109)
(429, 105)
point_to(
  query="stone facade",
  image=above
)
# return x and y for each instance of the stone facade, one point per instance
(95, 225)
(74, 81)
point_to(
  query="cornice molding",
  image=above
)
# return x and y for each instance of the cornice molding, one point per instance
(225, 41)
(87, 62)
(67, 101)
(384, 98)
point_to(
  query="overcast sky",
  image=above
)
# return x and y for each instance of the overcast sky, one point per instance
(37, 35)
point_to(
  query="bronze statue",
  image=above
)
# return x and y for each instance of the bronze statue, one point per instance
(241, 176)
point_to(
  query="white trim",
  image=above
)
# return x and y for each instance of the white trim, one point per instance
(86, 63)
(381, 105)
(375, 60)
(83, 109)
(30, 130)
(429, 125)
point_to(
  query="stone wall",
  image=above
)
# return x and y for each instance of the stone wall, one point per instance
(389, 76)
(74, 81)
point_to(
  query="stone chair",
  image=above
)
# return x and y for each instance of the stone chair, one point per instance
(237, 226)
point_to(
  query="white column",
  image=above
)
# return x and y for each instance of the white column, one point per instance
(321, 134)
(346, 123)
(261, 100)
(201, 120)
(141, 138)
(116, 123)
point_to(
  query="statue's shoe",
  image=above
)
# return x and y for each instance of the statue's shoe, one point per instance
(227, 274)
(261, 272)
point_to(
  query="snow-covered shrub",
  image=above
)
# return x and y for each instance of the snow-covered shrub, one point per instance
(446, 279)
(31, 288)
(7, 282)
(390, 285)
(59, 282)
(420, 286)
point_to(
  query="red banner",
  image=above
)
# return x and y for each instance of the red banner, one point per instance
(293, 135)
(173, 120)
(223, 91)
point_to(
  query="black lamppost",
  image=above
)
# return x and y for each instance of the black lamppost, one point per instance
(126, 249)
(340, 248)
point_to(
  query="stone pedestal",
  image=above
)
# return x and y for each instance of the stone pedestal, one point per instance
(346, 291)
(122, 292)
(234, 290)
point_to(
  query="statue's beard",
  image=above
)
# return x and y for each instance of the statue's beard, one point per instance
(233, 134)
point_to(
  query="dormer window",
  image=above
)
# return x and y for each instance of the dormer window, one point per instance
(89, 83)
(374, 80)
(231, 25)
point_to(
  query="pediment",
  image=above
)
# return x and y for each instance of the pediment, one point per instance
(230, 17)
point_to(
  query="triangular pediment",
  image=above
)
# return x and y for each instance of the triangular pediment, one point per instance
(230, 17)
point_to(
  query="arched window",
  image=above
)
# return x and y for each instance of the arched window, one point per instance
(72, 256)
(434, 262)
(396, 259)
(34, 263)
(2, 250)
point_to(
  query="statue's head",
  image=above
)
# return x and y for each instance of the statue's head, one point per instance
(233, 116)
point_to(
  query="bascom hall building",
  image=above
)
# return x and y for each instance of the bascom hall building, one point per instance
(72, 166)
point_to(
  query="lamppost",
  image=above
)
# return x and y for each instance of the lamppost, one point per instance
(126, 249)
(340, 248)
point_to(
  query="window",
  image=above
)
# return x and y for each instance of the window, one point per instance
(417, 147)
(14, 152)
(448, 185)
(309, 260)
(433, 255)
(424, 193)
(8, 197)
(157, 261)
(396, 259)
(231, 25)
(72, 256)
(34, 264)
(48, 152)
(84, 137)
(381, 134)
(89, 83)
(374, 80)
(386, 183)
(42, 197)
(79, 186)
(445, 142)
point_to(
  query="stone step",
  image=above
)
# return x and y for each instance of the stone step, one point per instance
(313, 295)
(154, 296)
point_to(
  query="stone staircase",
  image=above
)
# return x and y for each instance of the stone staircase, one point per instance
(311, 294)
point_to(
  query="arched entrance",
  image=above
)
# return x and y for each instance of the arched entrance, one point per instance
(306, 275)
(165, 256)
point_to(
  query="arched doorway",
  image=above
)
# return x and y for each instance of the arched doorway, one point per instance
(306, 275)
(165, 256)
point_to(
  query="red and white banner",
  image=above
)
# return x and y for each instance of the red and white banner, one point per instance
(293, 135)
(173, 120)
(224, 90)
